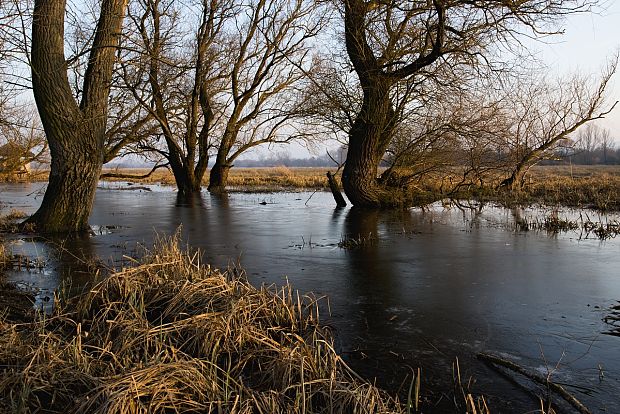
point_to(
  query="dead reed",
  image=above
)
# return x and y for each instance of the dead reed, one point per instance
(173, 335)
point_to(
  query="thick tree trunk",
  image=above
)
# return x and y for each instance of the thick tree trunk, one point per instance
(368, 140)
(75, 133)
(218, 178)
(73, 179)
(187, 182)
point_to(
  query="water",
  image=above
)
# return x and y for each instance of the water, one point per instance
(428, 287)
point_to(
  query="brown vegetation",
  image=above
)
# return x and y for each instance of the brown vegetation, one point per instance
(596, 187)
(172, 335)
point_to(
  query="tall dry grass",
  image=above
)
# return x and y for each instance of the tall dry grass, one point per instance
(172, 335)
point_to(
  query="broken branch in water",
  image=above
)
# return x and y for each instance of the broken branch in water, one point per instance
(536, 378)
(136, 177)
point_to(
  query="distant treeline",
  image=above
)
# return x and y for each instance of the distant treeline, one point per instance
(601, 155)
(288, 161)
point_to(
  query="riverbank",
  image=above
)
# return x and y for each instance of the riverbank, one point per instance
(593, 187)
(171, 334)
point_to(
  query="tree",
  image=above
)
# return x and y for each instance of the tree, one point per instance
(543, 115)
(173, 77)
(270, 58)
(397, 45)
(589, 141)
(22, 141)
(75, 131)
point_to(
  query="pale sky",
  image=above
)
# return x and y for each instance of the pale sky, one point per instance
(588, 42)
(590, 39)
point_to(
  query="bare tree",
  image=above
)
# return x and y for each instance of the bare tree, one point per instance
(590, 139)
(607, 144)
(270, 58)
(22, 141)
(233, 86)
(391, 43)
(171, 72)
(75, 130)
(544, 114)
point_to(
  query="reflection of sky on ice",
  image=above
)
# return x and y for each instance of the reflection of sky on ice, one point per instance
(433, 286)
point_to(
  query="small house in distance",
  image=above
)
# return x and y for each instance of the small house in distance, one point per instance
(15, 159)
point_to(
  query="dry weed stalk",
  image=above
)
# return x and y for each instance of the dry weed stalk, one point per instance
(172, 335)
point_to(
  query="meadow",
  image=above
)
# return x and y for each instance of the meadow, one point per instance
(596, 187)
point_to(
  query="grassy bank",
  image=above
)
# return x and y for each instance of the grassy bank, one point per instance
(596, 187)
(172, 335)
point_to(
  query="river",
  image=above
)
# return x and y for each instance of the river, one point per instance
(418, 288)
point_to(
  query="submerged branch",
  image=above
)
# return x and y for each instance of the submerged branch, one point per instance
(558, 389)
(132, 176)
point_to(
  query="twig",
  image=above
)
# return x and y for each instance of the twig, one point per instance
(536, 378)
(131, 176)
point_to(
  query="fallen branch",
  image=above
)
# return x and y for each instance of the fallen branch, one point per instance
(134, 177)
(335, 188)
(536, 378)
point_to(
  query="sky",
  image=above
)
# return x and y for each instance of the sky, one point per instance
(589, 41)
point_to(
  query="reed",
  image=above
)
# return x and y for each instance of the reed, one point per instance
(171, 334)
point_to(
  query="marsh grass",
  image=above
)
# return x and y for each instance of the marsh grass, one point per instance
(170, 334)
(596, 187)
(352, 242)
(554, 224)
(245, 179)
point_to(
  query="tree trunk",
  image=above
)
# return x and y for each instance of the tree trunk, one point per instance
(335, 189)
(218, 178)
(75, 132)
(368, 140)
(73, 178)
(517, 178)
(187, 182)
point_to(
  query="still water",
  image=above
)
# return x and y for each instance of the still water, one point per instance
(429, 286)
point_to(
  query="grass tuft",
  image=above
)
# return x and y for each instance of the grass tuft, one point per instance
(172, 335)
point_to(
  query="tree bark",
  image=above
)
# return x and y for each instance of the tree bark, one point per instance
(218, 178)
(187, 182)
(368, 140)
(335, 189)
(75, 133)
(374, 125)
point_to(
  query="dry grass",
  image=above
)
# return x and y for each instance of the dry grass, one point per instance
(172, 335)
(595, 187)
(275, 178)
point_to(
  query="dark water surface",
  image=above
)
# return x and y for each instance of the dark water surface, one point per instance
(433, 286)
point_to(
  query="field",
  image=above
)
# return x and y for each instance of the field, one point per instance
(595, 187)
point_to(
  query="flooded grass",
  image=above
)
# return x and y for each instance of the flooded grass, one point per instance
(351, 242)
(555, 224)
(173, 335)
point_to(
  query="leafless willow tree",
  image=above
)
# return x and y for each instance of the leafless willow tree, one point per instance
(22, 141)
(217, 78)
(271, 58)
(396, 45)
(543, 114)
(171, 70)
(75, 129)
